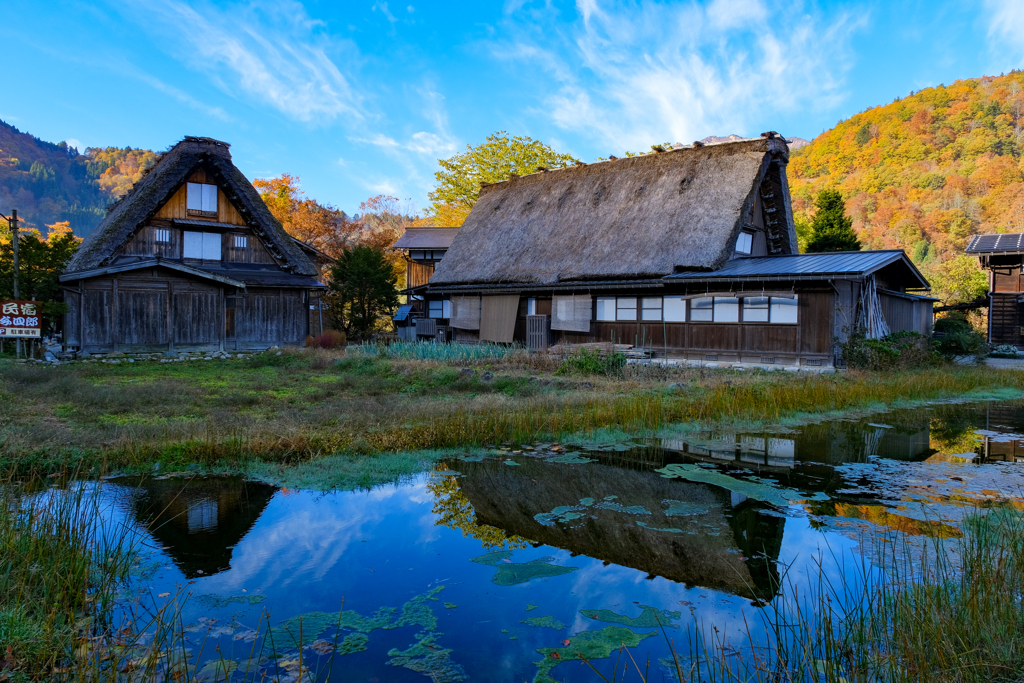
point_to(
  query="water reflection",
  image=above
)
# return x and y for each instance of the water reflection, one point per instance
(690, 533)
(200, 520)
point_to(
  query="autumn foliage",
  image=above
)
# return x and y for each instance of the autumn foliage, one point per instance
(927, 171)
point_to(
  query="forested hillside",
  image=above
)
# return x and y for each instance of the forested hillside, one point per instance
(48, 183)
(927, 171)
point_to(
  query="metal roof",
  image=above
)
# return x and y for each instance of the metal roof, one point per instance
(426, 238)
(1007, 243)
(806, 266)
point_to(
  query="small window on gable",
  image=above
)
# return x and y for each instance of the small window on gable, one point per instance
(201, 200)
(163, 235)
(744, 243)
(241, 241)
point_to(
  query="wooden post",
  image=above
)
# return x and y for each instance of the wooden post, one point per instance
(113, 316)
(280, 317)
(14, 244)
(223, 306)
(170, 316)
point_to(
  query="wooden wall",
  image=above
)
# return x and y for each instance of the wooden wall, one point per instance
(253, 252)
(1004, 319)
(418, 274)
(1007, 279)
(177, 204)
(906, 315)
(750, 342)
(144, 243)
(153, 311)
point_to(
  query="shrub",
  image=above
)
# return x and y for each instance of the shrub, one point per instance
(951, 324)
(330, 339)
(896, 351)
(586, 362)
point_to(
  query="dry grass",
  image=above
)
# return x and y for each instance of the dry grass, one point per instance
(304, 404)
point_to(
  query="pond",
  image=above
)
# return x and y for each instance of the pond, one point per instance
(506, 566)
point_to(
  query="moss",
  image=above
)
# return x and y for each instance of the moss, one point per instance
(511, 573)
(425, 657)
(762, 490)
(544, 622)
(651, 617)
(589, 645)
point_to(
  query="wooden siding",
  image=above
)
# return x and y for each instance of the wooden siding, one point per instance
(418, 274)
(252, 252)
(1005, 320)
(750, 342)
(1006, 279)
(906, 315)
(144, 243)
(177, 204)
(150, 310)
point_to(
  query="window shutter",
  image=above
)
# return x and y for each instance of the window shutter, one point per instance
(210, 198)
(195, 197)
(193, 244)
(211, 246)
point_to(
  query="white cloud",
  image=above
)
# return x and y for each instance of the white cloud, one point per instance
(649, 73)
(1006, 21)
(270, 52)
(76, 143)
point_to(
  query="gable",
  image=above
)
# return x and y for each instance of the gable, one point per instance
(177, 206)
(161, 184)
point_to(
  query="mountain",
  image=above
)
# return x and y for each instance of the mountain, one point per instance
(48, 182)
(926, 171)
(794, 143)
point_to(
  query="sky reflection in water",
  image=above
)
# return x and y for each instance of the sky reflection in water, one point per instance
(712, 552)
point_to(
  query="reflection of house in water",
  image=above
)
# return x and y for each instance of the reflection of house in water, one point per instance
(1002, 439)
(720, 542)
(199, 521)
(829, 443)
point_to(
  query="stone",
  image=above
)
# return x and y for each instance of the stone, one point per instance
(487, 377)
(241, 355)
(278, 353)
(467, 372)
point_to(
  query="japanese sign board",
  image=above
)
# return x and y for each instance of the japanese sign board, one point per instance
(20, 319)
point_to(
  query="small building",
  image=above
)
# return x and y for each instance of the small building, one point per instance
(189, 260)
(425, 314)
(1002, 256)
(689, 253)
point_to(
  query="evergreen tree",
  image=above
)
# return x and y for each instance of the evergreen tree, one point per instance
(831, 229)
(363, 290)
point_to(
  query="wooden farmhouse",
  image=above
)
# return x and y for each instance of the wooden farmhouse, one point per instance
(189, 260)
(1002, 256)
(423, 249)
(689, 253)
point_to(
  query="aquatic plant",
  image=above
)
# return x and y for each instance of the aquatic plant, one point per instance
(758, 489)
(651, 617)
(586, 646)
(544, 622)
(511, 573)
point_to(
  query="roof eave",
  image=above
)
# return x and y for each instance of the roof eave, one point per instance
(150, 263)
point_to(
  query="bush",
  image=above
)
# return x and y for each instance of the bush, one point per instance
(330, 339)
(896, 351)
(587, 362)
(951, 325)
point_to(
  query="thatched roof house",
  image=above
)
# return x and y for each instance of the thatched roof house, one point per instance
(675, 252)
(189, 259)
(640, 217)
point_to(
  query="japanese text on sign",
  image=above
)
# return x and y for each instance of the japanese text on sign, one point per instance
(20, 319)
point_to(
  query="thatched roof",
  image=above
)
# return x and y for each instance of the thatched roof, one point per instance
(645, 216)
(163, 180)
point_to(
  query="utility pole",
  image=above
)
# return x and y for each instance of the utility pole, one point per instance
(12, 221)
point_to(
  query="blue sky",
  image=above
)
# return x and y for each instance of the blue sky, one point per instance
(361, 97)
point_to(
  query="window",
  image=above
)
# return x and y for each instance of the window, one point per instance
(625, 308)
(702, 309)
(605, 308)
(727, 309)
(163, 235)
(202, 245)
(416, 254)
(755, 309)
(439, 309)
(783, 310)
(744, 243)
(651, 308)
(241, 241)
(531, 307)
(674, 309)
(202, 199)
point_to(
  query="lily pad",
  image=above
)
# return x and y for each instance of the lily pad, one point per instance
(588, 645)
(758, 490)
(544, 622)
(651, 617)
(512, 573)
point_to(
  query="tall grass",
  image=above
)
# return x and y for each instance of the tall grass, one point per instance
(915, 618)
(442, 353)
(769, 400)
(63, 617)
